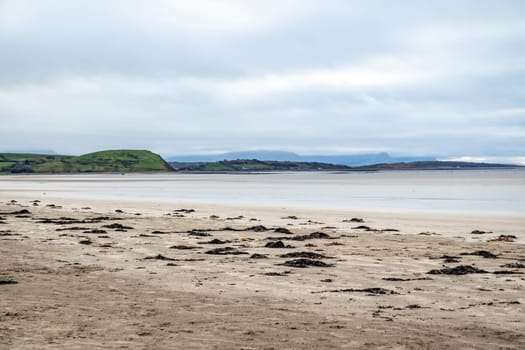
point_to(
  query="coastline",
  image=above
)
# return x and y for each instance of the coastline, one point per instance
(478, 193)
(106, 294)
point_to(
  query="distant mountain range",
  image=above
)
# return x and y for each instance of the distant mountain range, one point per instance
(349, 160)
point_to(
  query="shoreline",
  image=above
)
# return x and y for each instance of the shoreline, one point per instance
(374, 290)
(490, 194)
(447, 223)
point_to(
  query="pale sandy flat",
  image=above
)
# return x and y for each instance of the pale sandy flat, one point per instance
(107, 295)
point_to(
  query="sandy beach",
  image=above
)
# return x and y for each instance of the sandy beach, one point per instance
(116, 274)
(262, 175)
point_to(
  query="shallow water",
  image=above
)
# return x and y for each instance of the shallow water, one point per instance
(467, 191)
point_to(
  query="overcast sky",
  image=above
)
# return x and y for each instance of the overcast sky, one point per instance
(443, 78)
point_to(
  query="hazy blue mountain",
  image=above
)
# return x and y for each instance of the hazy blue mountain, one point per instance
(350, 159)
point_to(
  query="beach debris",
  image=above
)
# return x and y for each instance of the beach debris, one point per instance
(193, 259)
(277, 244)
(327, 280)
(507, 272)
(301, 263)
(85, 241)
(22, 216)
(514, 265)
(309, 255)
(361, 227)
(60, 221)
(118, 226)
(458, 270)
(3, 282)
(354, 220)
(258, 228)
(290, 217)
(21, 212)
(215, 241)
(313, 235)
(282, 230)
(159, 257)
(54, 206)
(333, 243)
(484, 253)
(398, 279)
(171, 264)
(183, 210)
(225, 251)
(198, 233)
(69, 221)
(479, 232)
(117, 211)
(8, 233)
(276, 273)
(374, 291)
(427, 233)
(235, 218)
(98, 219)
(183, 247)
(311, 222)
(258, 256)
(74, 228)
(368, 229)
(160, 232)
(504, 238)
(95, 231)
(228, 228)
(214, 217)
(450, 259)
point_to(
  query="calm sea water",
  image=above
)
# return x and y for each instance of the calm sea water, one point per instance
(475, 191)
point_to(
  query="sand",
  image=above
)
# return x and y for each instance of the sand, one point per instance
(153, 285)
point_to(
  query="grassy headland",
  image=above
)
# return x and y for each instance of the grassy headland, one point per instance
(103, 161)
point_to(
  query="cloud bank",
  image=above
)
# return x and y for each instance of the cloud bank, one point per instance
(180, 77)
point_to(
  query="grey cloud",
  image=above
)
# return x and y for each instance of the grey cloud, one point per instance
(416, 78)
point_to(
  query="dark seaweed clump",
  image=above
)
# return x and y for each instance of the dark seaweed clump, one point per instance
(458, 270)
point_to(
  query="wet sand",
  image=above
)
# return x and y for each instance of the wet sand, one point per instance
(96, 274)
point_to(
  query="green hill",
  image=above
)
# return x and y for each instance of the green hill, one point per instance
(103, 161)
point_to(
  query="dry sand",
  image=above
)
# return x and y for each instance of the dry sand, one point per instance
(64, 288)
